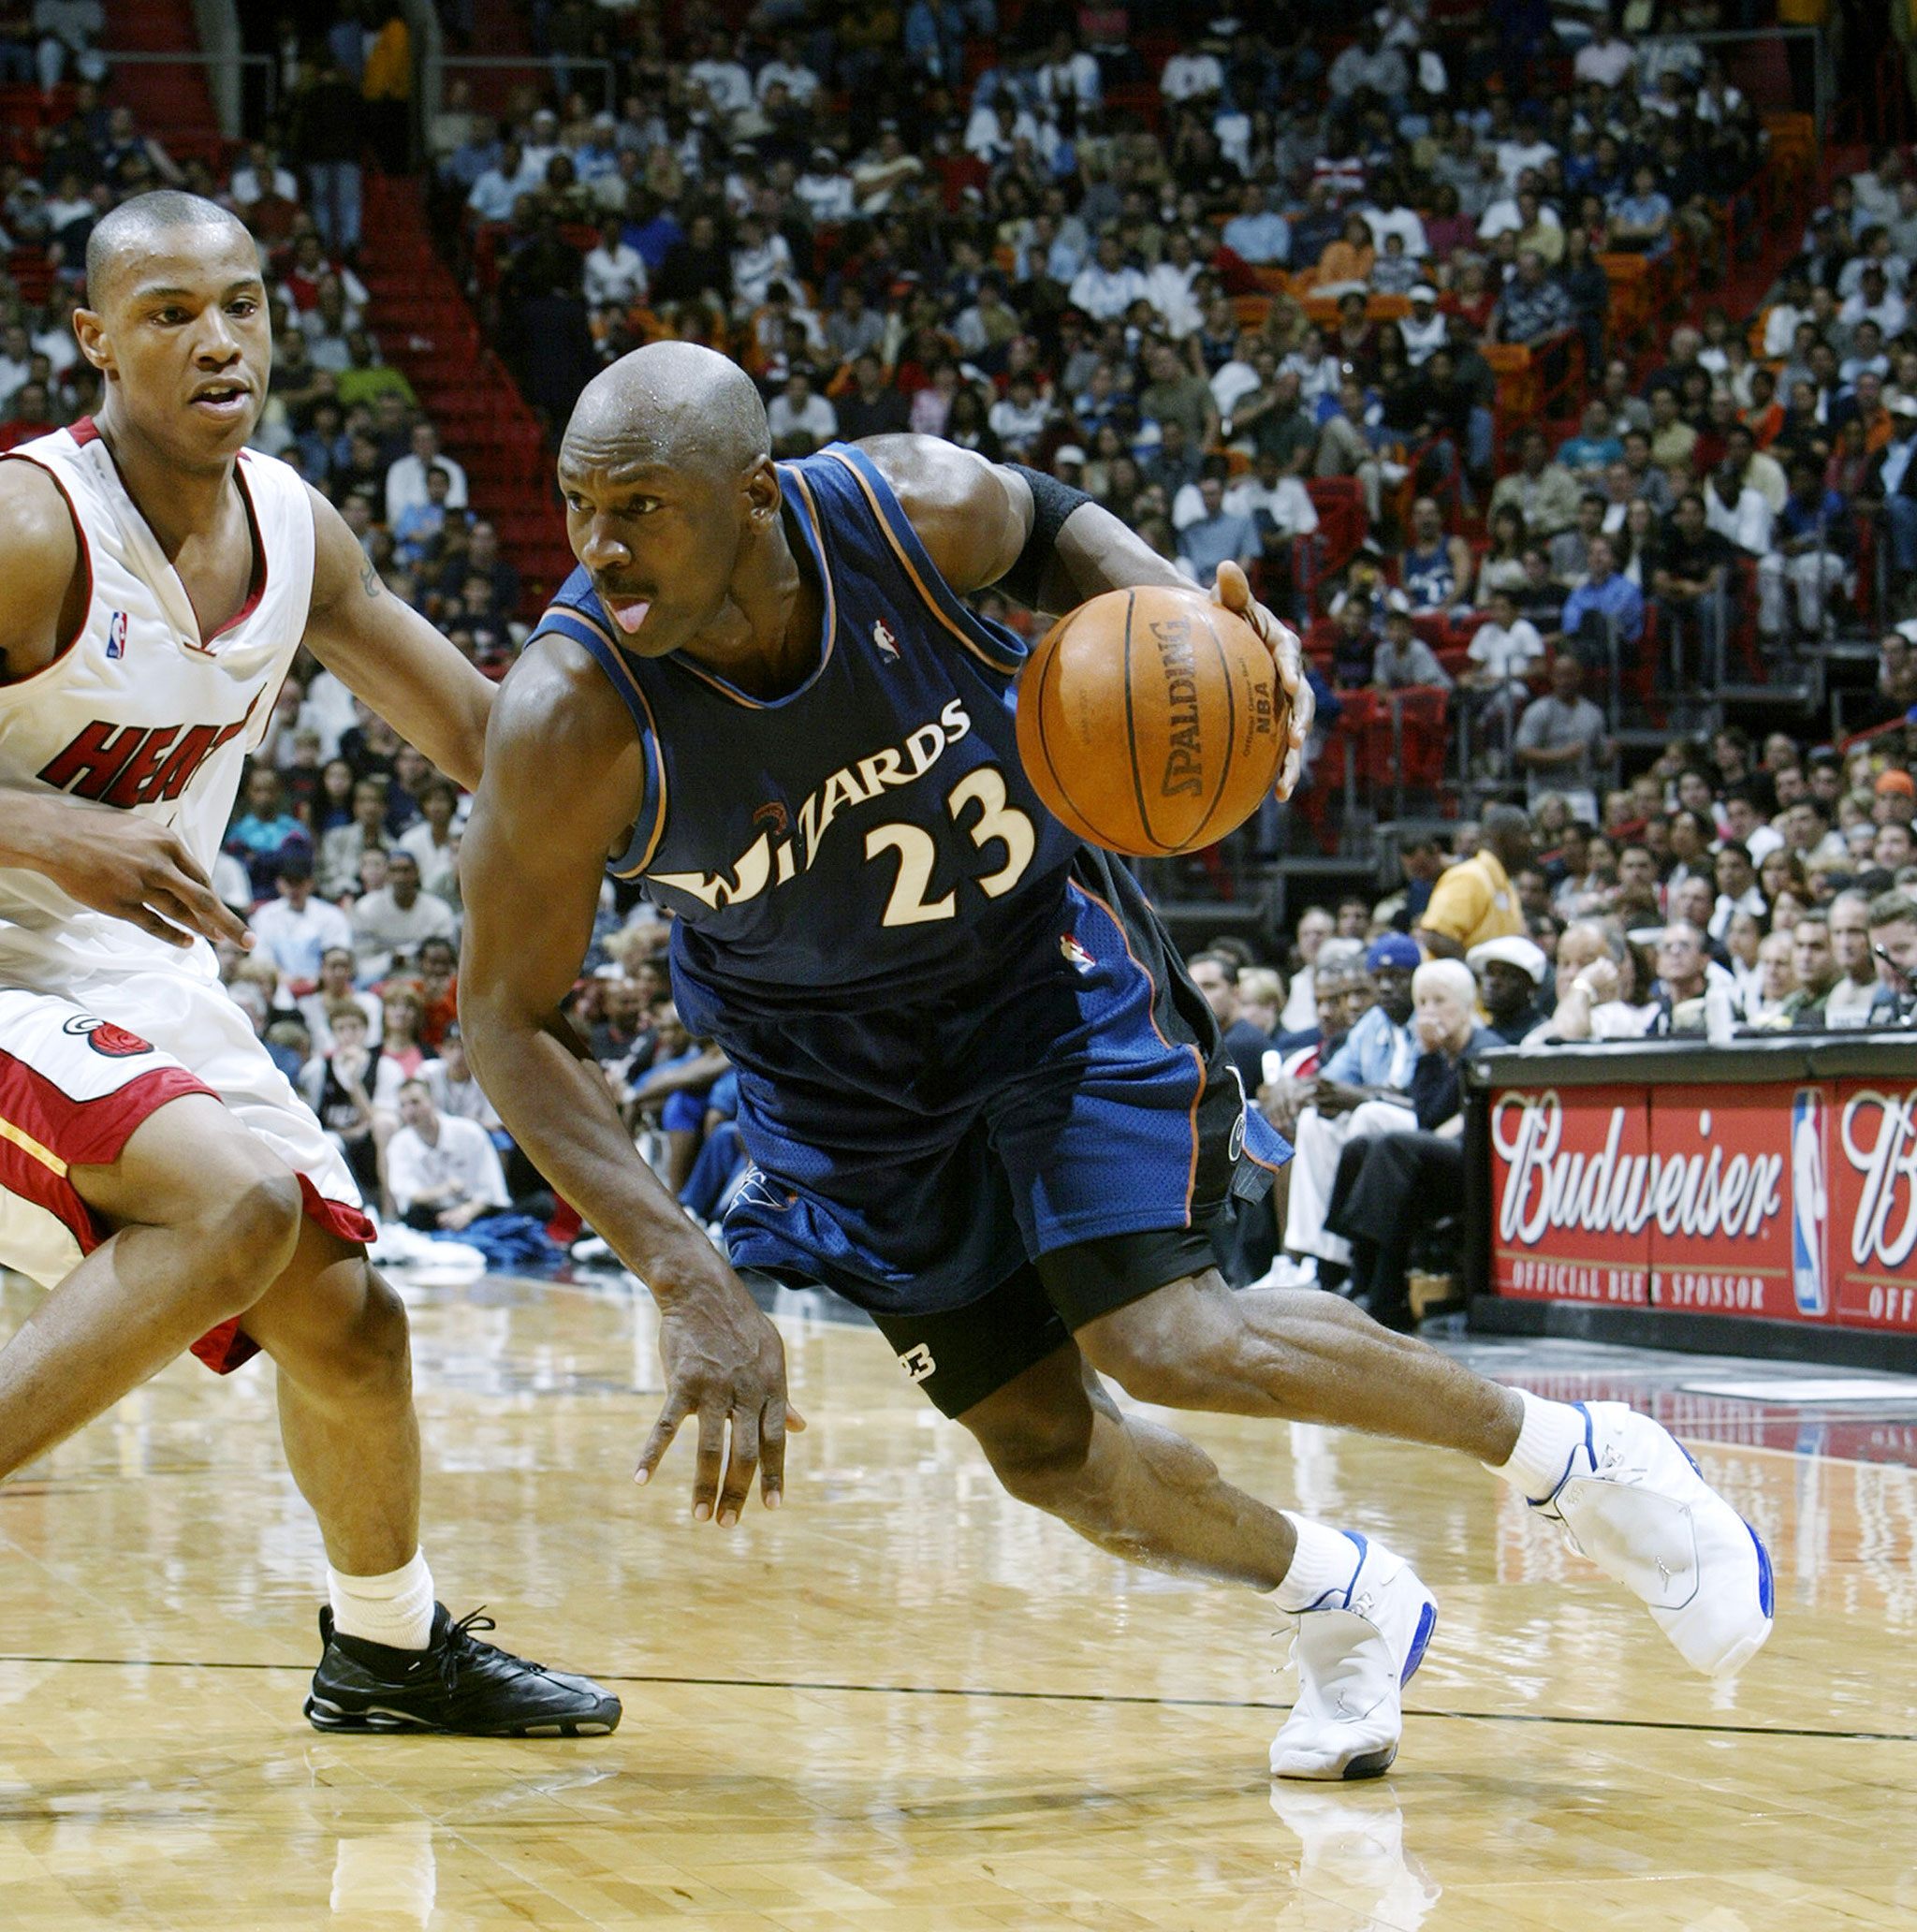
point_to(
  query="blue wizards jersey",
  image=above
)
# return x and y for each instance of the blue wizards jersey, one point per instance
(962, 1041)
(869, 836)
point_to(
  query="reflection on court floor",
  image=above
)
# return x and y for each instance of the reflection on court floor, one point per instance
(906, 1702)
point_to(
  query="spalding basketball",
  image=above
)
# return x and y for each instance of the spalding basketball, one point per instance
(1151, 721)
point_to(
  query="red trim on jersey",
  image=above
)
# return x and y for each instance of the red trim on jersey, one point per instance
(228, 1347)
(86, 549)
(256, 583)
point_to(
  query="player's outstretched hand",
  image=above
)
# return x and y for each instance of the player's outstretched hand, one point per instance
(1234, 591)
(119, 863)
(726, 1364)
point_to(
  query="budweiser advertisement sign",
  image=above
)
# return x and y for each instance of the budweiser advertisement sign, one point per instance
(1873, 1205)
(1573, 1191)
(1778, 1202)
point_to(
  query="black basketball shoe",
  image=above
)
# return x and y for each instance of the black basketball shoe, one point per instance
(456, 1686)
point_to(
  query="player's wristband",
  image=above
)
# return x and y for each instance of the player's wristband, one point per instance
(1052, 503)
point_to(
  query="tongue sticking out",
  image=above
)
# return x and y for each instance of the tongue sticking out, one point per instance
(631, 614)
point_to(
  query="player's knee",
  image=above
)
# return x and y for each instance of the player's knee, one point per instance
(1165, 1349)
(245, 1235)
(366, 1354)
(1041, 1459)
(380, 1343)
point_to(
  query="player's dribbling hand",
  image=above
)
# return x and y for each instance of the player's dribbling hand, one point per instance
(1232, 590)
(726, 1364)
(128, 866)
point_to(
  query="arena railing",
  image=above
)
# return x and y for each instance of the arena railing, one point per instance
(251, 105)
(562, 74)
(1727, 41)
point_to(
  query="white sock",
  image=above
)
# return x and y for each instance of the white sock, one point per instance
(1551, 1435)
(395, 1609)
(1326, 1559)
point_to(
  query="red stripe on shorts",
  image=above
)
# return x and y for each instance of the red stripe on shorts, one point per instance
(32, 1179)
(86, 1133)
(82, 1133)
(349, 1224)
(92, 1132)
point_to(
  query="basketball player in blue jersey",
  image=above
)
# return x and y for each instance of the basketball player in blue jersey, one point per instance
(981, 1097)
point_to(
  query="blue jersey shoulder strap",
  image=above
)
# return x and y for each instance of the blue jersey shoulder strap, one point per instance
(575, 612)
(1000, 648)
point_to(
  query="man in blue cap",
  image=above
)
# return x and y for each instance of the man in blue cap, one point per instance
(1364, 1088)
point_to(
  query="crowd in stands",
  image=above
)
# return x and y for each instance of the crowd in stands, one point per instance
(1218, 291)
(1734, 890)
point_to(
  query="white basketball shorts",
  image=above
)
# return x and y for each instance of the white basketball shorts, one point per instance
(81, 1068)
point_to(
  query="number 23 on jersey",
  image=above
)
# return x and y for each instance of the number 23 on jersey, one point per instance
(997, 821)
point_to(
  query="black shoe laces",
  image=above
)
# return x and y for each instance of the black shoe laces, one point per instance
(461, 1645)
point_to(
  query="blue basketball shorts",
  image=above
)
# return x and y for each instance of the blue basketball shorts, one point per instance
(994, 1171)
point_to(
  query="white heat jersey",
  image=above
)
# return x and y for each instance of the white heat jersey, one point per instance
(139, 712)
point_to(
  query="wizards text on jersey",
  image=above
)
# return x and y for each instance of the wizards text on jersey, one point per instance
(858, 839)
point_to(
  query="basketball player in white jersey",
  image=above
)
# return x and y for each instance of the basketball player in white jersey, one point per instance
(157, 1174)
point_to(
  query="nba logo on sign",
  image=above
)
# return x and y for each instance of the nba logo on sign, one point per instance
(1809, 1201)
(887, 642)
(116, 636)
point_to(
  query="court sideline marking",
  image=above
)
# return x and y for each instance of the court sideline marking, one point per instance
(1250, 1704)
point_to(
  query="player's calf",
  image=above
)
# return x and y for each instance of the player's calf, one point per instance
(1188, 1345)
(1057, 1441)
(203, 1215)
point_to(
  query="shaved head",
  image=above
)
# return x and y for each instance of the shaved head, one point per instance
(671, 403)
(137, 227)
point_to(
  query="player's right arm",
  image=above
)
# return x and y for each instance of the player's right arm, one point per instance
(115, 862)
(563, 780)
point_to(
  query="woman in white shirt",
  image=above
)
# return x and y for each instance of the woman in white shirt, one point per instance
(615, 275)
(435, 841)
(1503, 654)
(1318, 373)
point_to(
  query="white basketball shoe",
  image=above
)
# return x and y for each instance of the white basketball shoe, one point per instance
(1633, 1502)
(1356, 1648)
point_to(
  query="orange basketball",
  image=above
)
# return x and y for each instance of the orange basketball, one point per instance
(1151, 721)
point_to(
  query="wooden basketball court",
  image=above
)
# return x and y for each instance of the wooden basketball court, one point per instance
(906, 1702)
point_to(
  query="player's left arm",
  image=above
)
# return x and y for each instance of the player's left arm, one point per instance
(976, 517)
(390, 656)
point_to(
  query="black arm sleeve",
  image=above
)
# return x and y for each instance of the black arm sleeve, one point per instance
(1052, 502)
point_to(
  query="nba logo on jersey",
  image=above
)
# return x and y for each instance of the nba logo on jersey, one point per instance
(1076, 954)
(1808, 1204)
(887, 643)
(116, 635)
